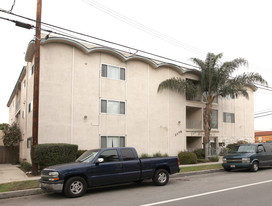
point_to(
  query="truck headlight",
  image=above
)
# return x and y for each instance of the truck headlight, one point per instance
(53, 176)
(245, 160)
(224, 160)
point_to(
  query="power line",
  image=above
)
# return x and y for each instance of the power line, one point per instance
(99, 39)
(144, 28)
(264, 115)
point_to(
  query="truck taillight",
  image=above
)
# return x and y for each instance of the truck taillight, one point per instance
(178, 161)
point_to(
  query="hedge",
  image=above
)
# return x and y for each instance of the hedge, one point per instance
(51, 154)
(187, 158)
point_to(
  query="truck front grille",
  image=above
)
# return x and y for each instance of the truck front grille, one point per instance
(234, 160)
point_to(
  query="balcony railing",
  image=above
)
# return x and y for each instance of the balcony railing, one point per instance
(193, 124)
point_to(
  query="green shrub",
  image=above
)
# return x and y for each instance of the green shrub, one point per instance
(144, 155)
(201, 160)
(26, 166)
(187, 158)
(79, 153)
(200, 153)
(214, 159)
(52, 154)
(158, 154)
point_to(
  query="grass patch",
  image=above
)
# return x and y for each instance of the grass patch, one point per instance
(201, 167)
(28, 184)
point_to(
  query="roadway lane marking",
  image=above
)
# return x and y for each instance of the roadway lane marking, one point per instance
(206, 193)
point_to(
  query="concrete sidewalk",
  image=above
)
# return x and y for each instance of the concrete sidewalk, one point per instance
(11, 173)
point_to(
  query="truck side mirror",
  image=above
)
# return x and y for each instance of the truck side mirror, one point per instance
(99, 160)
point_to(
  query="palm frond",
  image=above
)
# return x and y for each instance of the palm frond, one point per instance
(178, 85)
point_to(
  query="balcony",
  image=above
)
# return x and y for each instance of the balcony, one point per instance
(193, 118)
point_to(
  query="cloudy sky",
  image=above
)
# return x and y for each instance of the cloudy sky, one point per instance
(177, 29)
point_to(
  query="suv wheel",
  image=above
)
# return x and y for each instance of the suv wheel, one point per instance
(254, 167)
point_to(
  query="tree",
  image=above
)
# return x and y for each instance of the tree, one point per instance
(3, 126)
(12, 135)
(215, 79)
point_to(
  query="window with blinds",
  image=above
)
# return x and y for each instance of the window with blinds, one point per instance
(113, 72)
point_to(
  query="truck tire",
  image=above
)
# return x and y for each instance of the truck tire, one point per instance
(227, 169)
(161, 177)
(254, 167)
(75, 187)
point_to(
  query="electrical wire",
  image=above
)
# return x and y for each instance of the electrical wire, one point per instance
(12, 6)
(103, 40)
(142, 27)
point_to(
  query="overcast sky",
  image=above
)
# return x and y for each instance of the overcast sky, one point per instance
(177, 29)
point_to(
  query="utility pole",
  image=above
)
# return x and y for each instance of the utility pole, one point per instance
(35, 122)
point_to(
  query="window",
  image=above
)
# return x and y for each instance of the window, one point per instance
(30, 106)
(23, 114)
(31, 71)
(24, 83)
(214, 123)
(112, 141)
(229, 117)
(113, 107)
(110, 155)
(260, 148)
(113, 72)
(127, 154)
(29, 142)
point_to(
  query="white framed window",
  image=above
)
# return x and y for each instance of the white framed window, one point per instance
(23, 114)
(113, 107)
(29, 142)
(30, 106)
(112, 141)
(113, 72)
(229, 117)
(24, 83)
(31, 71)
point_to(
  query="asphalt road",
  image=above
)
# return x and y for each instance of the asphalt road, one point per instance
(221, 188)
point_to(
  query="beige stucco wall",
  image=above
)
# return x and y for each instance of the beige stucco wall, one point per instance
(71, 88)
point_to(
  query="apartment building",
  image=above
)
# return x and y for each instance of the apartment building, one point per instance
(96, 97)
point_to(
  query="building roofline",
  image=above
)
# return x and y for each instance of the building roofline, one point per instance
(89, 48)
(17, 85)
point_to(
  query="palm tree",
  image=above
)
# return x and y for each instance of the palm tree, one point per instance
(215, 79)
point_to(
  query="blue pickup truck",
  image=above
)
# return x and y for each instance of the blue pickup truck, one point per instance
(106, 166)
(249, 156)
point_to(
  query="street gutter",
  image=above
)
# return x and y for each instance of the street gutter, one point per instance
(36, 191)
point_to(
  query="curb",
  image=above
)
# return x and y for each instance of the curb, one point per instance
(36, 191)
(20, 193)
(197, 173)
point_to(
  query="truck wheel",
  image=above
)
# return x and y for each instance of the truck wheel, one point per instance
(75, 187)
(254, 167)
(227, 169)
(161, 177)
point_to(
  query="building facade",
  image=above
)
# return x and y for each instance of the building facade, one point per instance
(96, 97)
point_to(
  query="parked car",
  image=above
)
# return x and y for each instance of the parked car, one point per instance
(105, 167)
(249, 156)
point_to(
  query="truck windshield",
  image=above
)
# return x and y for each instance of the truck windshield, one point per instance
(87, 156)
(247, 149)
